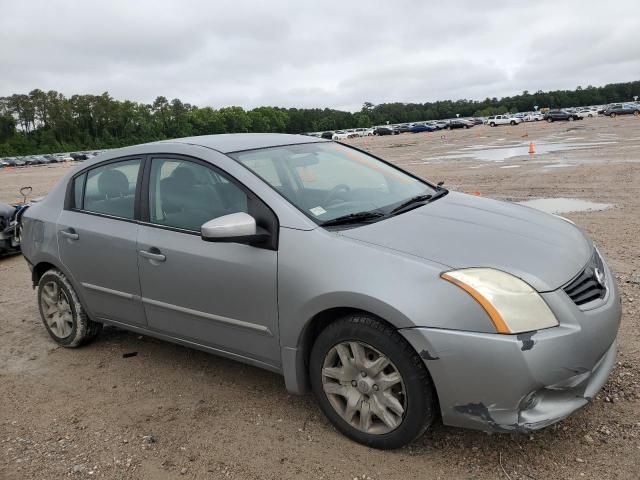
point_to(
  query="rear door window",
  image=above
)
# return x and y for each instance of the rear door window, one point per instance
(111, 189)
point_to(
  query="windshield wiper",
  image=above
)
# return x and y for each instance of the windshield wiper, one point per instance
(357, 217)
(418, 201)
(412, 202)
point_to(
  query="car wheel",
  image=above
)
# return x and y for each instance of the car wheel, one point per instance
(62, 313)
(465, 127)
(636, 113)
(571, 119)
(370, 383)
(590, 116)
(512, 122)
(492, 124)
(613, 114)
(536, 119)
(550, 120)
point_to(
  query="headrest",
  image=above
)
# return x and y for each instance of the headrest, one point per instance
(113, 183)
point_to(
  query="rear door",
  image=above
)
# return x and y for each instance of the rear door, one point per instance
(97, 239)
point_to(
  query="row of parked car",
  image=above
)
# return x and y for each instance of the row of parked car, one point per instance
(567, 114)
(416, 127)
(46, 159)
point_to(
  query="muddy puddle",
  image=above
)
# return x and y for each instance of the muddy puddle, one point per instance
(494, 154)
(565, 205)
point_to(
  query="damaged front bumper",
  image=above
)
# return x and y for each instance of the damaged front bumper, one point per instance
(508, 383)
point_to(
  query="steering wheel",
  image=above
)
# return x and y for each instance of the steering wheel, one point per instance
(335, 193)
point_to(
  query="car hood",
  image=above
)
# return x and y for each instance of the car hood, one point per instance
(460, 231)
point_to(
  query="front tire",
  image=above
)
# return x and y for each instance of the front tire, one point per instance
(550, 120)
(370, 383)
(613, 114)
(62, 313)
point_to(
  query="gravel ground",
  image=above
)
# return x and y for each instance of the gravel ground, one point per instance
(172, 412)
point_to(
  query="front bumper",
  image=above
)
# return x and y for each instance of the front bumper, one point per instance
(507, 383)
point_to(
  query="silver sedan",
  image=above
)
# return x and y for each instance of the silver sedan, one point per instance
(392, 299)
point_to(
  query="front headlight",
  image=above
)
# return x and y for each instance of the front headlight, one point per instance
(512, 305)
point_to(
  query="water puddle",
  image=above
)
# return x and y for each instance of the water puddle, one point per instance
(565, 205)
(521, 149)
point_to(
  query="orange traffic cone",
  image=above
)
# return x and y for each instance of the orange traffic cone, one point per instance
(531, 149)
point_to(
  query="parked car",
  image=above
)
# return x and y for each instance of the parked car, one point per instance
(533, 117)
(79, 157)
(364, 132)
(587, 112)
(622, 109)
(396, 300)
(327, 135)
(352, 133)
(495, 120)
(422, 127)
(33, 160)
(453, 124)
(341, 135)
(403, 128)
(383, 130)
(555, 115)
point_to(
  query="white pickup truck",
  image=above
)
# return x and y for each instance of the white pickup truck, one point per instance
(495, 120)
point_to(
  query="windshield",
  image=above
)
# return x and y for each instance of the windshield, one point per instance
(329, 180)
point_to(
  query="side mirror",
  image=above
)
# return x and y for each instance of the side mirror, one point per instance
(236, 227)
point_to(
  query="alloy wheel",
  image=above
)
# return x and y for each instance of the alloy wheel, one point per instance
(364, 387)
(56, 309)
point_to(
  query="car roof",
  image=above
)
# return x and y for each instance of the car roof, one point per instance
(234, 142)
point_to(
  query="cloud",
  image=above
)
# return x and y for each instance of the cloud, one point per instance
(309, 54)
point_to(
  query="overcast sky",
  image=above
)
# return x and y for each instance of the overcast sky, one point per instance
(315, 54)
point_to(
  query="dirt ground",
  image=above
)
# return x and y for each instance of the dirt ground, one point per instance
(172, 412)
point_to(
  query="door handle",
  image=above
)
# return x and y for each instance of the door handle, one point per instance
(154, 254)
(70, 234)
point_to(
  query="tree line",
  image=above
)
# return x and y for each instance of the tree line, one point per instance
(42, 122)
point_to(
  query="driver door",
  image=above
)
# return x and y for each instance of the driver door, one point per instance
(221, 295)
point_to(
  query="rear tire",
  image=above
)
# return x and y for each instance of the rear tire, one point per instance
(571, 119)
(62, 313)
(550, 120)
(613, 114)
(352, 390)
(636, 113)
(492, 124)
(512, 123)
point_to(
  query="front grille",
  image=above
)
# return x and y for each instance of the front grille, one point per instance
(589, 285)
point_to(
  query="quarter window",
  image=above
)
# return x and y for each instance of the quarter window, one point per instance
(185, 194)
(111, 189)
(78, 189)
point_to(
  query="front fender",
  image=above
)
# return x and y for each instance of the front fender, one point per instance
(319, 270)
